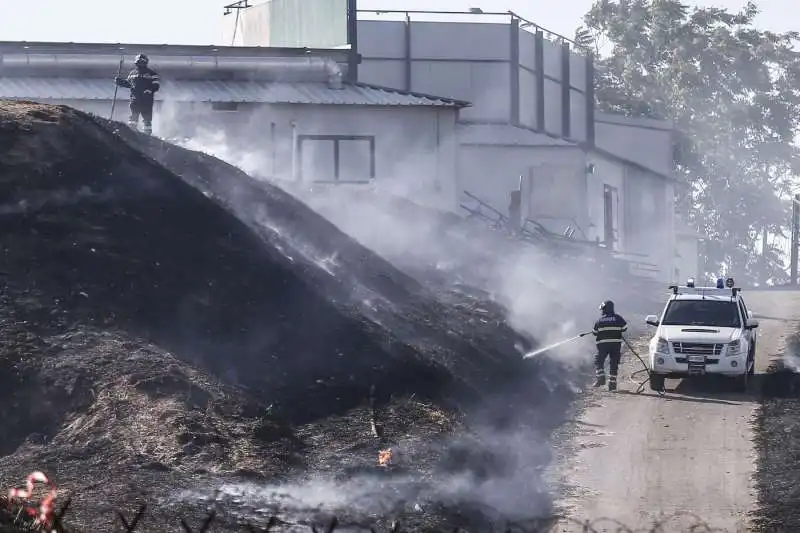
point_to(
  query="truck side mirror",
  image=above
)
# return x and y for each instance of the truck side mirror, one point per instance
(752, 323)
(651, 320)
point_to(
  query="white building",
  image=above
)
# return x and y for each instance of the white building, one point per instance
(533, 125)
(633, 188)
(517, 111)
(285, 113)
(687, 253)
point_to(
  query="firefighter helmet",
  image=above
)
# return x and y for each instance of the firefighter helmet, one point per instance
(607, 307)
(141, 59)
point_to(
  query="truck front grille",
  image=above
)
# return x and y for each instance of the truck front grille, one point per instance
(697, 348)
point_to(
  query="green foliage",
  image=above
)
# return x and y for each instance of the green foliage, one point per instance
(584, 38)
(731, 91)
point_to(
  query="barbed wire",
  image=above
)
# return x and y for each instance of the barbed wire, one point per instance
(276, 524)
(21, 511)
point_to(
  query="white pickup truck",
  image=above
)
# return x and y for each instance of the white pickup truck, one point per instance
(703, 330)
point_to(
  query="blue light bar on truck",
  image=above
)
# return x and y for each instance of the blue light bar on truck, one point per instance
(707, 291)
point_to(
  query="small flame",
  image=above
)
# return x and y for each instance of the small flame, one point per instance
(46, 512)
(384, 456)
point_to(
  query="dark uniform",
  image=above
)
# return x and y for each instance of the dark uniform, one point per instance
(608, 337)
(144, 83)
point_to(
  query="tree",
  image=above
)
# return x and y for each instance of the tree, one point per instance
(731, 90)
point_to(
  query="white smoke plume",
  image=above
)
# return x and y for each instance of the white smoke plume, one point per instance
(548, 298)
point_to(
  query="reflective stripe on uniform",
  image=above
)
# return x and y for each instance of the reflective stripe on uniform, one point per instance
(608, 341)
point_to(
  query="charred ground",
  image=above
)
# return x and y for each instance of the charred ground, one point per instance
(777, 428)
(168, 322)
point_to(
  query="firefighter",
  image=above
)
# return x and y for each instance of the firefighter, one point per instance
(608, 332)
(143, 83)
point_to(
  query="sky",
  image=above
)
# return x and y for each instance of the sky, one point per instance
(200, 21)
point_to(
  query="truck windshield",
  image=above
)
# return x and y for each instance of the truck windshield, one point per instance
(711, 313)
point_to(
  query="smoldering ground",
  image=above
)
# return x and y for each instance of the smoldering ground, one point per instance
(487, 471)
(504, 445)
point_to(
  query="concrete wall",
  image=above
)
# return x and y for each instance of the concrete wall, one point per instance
(650, 211)
(509, 74)
(687, 252)
(643, 214)
(554, 185)
(687, 260)
(644, 141)
(558, 192)
(415, 148)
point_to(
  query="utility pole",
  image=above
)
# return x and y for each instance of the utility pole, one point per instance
(795, 239)
(353, 57)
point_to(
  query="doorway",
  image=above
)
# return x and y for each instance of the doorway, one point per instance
(610, 196)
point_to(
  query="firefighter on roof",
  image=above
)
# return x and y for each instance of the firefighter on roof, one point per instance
(608, 332)
(143, 83)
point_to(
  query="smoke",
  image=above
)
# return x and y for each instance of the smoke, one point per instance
(790, 359)
(186, 126)
(791, 362)
(500, 474)
(547, 297)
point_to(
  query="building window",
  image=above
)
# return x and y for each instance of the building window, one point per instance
(336, 158)
(224, 106)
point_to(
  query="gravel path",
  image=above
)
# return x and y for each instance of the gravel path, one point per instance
(683, 459)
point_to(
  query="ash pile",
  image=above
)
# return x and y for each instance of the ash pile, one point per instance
(175, 332)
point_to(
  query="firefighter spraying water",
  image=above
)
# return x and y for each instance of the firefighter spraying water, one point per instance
(608, 332)
(554, 345)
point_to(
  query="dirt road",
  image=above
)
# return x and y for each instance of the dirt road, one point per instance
(638, 459)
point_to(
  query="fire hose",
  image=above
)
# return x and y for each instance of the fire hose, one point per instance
(645, 369)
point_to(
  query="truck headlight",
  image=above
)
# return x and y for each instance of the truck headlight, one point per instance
(733, 348)
(662, 346)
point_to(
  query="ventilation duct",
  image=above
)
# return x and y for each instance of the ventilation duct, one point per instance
(277, 67)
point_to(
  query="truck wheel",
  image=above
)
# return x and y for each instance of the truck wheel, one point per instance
(656, 382)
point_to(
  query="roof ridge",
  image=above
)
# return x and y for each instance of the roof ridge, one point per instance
(455, 101)
(240, 91)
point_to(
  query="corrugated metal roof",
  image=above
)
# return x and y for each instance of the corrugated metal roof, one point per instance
(506, 135)
(34, 88)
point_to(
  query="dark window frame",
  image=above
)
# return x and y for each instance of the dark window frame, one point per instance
(225, 107)
(743, 309)
(611, 228)
(336, 161)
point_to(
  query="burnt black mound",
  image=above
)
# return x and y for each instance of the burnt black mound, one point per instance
(777, 429)
(167, 321)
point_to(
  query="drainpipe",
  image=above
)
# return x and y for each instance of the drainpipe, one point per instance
(294, 150)
(272, 150)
